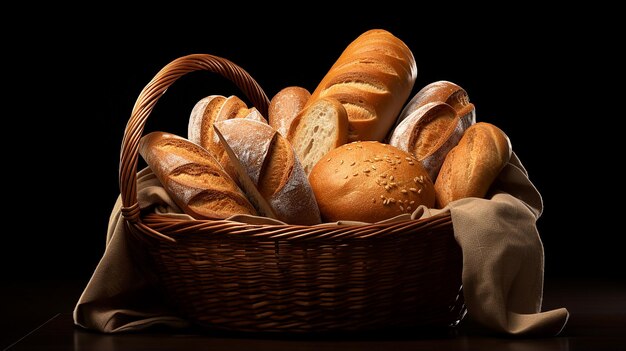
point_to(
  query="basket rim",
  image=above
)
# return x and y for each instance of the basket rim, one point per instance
(172, 227)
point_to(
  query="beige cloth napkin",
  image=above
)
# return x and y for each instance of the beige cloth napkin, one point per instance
(503, 263)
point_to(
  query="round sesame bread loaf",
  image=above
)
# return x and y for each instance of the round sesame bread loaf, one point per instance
(369, 181)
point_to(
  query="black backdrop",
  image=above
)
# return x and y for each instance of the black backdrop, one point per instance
(523, 71)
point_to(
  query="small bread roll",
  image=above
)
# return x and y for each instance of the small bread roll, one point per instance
(429, 133)
(369, 181)
(273, 167)
(443, 91)
(285, 106)
(193, 178)
(472, 165)
(212, 109)
(319, 128)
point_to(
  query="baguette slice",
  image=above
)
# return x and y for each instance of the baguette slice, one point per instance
(193, 178)
(273, 167)
(285, 106)
(429, 133)
(319, 128)
(471, 167)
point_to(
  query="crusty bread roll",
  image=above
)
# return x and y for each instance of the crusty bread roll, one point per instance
(212, 109)
(369, 181)
(285, 106)
(319, 128)
(443, 91)
(192, 177)
(472, 165)
(429, 133)
(273, 167)
(372, 78)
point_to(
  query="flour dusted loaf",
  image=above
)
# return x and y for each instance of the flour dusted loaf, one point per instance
(429, 133)
(369, 181)
(472, 165)
(443, 91)
(193, 178)
(273, 167)
(206, 113)
(372, 79)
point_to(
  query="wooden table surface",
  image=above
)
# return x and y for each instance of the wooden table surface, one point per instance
(597, 322)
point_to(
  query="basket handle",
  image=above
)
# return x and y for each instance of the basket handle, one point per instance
(144, 105)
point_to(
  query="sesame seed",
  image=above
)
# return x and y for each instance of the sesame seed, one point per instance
(349, 148)
(403, 191)
(401, 208)
(420, 179)
(346, 177)
(385, 201)
(366, 170)
(412, 202)
(391, 178)
(392, 183)
(411, 163)
(384, 182)
(374, 168)
(382, 197)
(341, 162)
(373, 200)
(376, 159)
(328, 159)
(408, 208)
(353, 163)
(392, 200)
(387, 187)
(419, 191)
(413, 189)
(407, 158)
(355, 174)
(396, 156)
(383, 175)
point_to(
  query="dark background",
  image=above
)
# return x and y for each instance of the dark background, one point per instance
(538, 79)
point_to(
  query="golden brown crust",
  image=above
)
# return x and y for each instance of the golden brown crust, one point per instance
(372, 78)
(192, 177)
(429, 133)
(471, 167)
(370, 182)
(273, 167)
(285, 106)
(442, 91)
(211, 110)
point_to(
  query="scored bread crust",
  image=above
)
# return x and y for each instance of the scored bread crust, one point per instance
(319, 128)
(372, 78)
(369, 181)
(285, 106)
(471, 167)
(429, 133)
(192, 177)
(273, 167)
(206, 113)
(442, 91)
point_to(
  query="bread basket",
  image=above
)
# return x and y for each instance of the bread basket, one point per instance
(289, 278)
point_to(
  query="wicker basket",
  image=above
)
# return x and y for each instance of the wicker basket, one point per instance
(244, 277)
